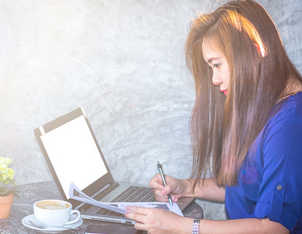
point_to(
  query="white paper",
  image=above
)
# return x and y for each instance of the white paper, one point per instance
(78, 195)
(119, 207)
(160, 205)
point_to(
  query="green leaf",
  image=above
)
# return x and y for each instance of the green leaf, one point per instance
(6, 181)
(13, 182)
(14, 192)
(3, 192)
(2, 189)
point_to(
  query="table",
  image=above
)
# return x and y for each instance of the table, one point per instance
(30, 193)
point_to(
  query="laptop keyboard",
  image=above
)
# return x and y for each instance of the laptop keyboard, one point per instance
(131, 194)
(136, 194)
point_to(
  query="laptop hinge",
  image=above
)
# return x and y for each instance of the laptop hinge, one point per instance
(101, 190)
(105, 192)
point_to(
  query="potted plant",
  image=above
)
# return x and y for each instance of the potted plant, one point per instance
(6, 196)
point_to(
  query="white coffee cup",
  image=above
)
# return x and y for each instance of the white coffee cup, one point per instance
(54, 212)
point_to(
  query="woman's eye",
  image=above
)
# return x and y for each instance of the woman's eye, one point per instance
(216, 65)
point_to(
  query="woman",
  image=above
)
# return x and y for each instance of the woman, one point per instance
(246, 127)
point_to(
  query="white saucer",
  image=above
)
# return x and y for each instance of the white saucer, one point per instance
(25, 222)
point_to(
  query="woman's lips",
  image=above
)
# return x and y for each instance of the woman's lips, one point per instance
(225, 92)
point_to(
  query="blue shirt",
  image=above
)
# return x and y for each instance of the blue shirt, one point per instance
(270, 179)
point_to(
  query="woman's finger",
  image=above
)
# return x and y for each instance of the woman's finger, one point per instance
(156, 182)
(160, 197)
(136, 217)
(139, 226)
(166, 190)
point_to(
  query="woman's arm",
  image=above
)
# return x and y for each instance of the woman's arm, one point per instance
(207, 190)
(157, 221)
(248, 226)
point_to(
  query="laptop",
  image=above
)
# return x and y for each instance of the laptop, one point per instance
(73, 155)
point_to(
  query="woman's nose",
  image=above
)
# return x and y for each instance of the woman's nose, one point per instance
(215, 79)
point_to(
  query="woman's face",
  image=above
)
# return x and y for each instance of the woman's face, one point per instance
(219, 65)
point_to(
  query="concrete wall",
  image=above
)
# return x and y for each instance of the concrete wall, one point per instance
(121, 60)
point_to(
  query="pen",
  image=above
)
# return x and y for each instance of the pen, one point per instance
(160, 169)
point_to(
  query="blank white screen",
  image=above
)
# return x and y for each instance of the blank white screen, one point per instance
(74, 154)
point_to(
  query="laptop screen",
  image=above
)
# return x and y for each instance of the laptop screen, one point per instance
(74, 154)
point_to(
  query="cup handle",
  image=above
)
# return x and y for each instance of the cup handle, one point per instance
(73, 221)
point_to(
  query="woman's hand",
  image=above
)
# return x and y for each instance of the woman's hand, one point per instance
(158, 221)
(174, 186)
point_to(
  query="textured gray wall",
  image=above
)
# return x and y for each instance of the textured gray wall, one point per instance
(122, 60)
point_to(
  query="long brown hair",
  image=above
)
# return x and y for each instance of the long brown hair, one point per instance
(224, 128)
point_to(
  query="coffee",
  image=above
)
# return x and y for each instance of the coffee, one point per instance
(52, 205)
(55, 213)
